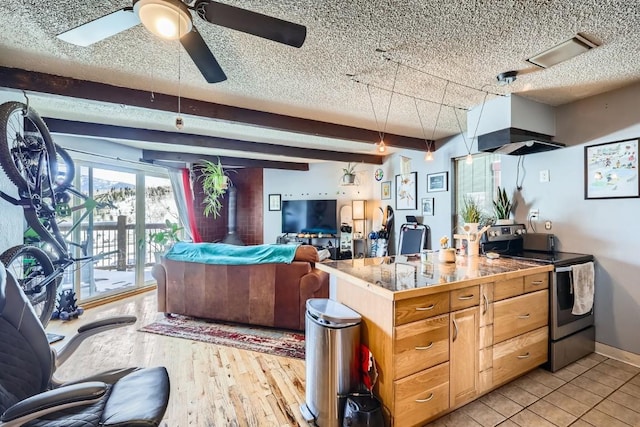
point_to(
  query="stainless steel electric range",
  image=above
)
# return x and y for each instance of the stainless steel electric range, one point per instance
(571, 337)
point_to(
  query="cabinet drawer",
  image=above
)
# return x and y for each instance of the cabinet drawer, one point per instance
(536, 282)
(412, 309)
(508, 288)
(421, 345)
(465, 298)
(515, 316)
(421, 396)
(518, 355)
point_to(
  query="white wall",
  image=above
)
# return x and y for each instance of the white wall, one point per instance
(609, 228)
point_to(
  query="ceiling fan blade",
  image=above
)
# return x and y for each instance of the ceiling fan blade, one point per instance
(200, 53)
(253, 23)
(101, 28)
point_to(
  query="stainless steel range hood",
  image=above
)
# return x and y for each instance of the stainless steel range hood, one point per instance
(516, 142)
(514, 125)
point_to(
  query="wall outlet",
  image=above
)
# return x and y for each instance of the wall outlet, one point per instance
(547, 225)
(544, 175)
(534, 213)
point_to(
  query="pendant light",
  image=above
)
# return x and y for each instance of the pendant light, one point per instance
(429, 154)
(469, 157)
(381, 146)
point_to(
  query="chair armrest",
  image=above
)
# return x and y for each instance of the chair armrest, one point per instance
(88, 330)
(52, 401)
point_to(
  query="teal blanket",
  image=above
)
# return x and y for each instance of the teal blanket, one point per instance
(222, 253)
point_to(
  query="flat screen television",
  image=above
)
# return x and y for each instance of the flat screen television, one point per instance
(309, 216)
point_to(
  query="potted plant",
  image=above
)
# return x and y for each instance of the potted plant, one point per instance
(160, 241)
(502, 207)
(471, 212)
(349, 174)
(215, 183)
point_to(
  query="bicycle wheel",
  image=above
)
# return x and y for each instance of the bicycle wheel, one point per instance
(66, 170)
(31, 266)
(25, 145)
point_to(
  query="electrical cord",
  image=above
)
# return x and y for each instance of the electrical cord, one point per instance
(524, 173)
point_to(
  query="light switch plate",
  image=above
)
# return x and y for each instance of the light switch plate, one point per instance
(544, 175)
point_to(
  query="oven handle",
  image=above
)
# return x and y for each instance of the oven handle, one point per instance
(563, 269)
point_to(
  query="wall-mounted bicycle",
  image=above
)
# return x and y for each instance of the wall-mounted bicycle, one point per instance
(43, 173)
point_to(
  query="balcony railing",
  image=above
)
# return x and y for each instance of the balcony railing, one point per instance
(112, 236)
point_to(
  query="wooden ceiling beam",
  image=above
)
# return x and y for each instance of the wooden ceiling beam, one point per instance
(72, 127)
(20, 79)
(162, 157)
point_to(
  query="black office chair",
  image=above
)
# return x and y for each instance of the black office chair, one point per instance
(30, 396)
(412, 238)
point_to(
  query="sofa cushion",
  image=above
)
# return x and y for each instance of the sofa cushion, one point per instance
(306, 253)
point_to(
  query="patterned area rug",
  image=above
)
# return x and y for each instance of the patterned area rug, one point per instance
(253, 338)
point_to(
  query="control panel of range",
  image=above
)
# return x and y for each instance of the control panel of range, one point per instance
(505, 232)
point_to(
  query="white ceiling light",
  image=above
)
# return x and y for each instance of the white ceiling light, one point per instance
(168, 19)
(562, 52)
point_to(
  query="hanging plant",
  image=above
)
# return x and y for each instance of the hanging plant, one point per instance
(215, 183)
(349, 174)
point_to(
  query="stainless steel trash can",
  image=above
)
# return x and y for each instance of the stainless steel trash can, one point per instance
(332, 339)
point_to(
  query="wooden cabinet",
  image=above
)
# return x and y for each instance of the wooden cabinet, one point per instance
(517, 315)
(421, 345)
(421, 396)
(463, 358)
(437, 352)
(518, 355)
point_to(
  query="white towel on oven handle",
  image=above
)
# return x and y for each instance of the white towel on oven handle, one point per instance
(583, 285)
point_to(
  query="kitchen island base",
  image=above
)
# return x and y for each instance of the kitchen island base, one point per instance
(440, 346)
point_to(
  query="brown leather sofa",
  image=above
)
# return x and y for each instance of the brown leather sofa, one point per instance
(260, 294)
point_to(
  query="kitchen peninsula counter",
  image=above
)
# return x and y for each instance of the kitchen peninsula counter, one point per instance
(444, 334)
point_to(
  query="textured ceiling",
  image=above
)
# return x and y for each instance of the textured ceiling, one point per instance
(427, 43)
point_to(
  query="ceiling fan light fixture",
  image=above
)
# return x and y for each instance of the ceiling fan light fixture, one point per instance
(167, 19)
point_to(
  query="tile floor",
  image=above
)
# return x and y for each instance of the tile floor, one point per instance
(594, 391)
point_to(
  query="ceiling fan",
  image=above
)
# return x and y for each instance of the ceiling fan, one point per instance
(171, 19)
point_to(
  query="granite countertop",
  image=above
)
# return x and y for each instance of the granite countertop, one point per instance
(399, 274)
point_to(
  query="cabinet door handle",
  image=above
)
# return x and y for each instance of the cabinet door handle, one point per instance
(431, 307)
(465, 297)
(455, 330)
(425, 347)
(524, 316)
(486, 303)
(536, 282)
(425, 400)
(524, 356)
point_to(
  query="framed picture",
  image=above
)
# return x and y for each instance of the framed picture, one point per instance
(385, 190)
(274, 202)
(611, 170)
(427, 207)
(406, 189)
(437, 182)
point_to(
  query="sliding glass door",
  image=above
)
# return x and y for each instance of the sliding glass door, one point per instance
(115, 222)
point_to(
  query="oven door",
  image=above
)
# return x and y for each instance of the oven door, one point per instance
(563, 323)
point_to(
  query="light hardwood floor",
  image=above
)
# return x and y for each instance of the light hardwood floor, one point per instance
(221, 386)
(210, 385)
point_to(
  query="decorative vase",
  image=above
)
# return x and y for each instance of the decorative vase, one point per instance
(348, 179)
(447, 255)
(470, 227)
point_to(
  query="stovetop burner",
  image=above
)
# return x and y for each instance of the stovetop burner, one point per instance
(512, 241)
(555, 258)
